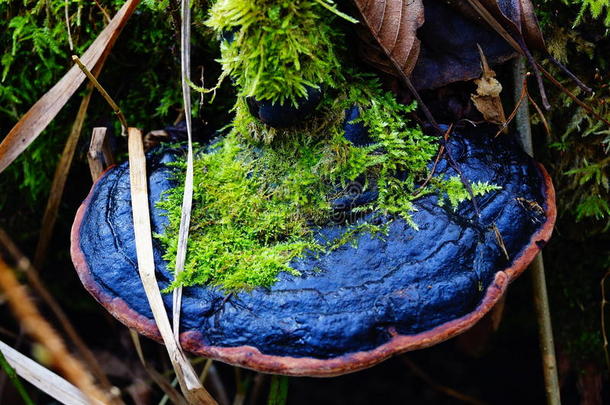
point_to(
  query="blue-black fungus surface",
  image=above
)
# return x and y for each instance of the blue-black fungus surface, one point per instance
(348, 300)
(282, 115)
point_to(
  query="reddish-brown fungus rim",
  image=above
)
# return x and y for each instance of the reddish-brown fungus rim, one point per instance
(251, 357)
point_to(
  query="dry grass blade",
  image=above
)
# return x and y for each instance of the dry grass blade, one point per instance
(35, 325)
(191, 387)
(44, 110)
(187, 198)
(12, 375)
(97, 155)
(59, 182)
(24, 265)
(44, 379)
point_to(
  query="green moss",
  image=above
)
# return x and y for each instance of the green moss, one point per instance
(260, 194)
(453, 189)
(280, 47)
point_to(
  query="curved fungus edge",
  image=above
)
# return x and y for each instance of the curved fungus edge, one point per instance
(250, 357)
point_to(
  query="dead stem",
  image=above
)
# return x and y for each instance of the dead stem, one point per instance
(163, 383)
(541, 300)
(25, 266)
(571, 75)
(27, 313)
(59, 182)
(568, 93)
(478, 7)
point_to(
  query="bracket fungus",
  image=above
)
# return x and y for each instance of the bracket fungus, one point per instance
(354, 306)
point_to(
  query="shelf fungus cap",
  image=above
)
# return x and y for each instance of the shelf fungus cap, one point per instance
(355, 306)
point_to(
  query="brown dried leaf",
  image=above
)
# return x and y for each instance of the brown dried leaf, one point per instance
(531, 28)
(44, 110)
(487, 97)
(393, 25)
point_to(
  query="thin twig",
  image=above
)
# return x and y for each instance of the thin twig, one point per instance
(206, 370)
(405, 79)
(536, 67)
(567, 92)
(257, 389)
(163, 383)
(476, 5)
(217, 385)
(500, 240)
(517, 45)
(512, 115)
(103, 92)
(571, 75)
(540, 113)
(240, 394)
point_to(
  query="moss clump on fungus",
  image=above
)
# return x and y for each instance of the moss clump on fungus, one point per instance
(279, 48)
(261, 193)
(258, 201)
